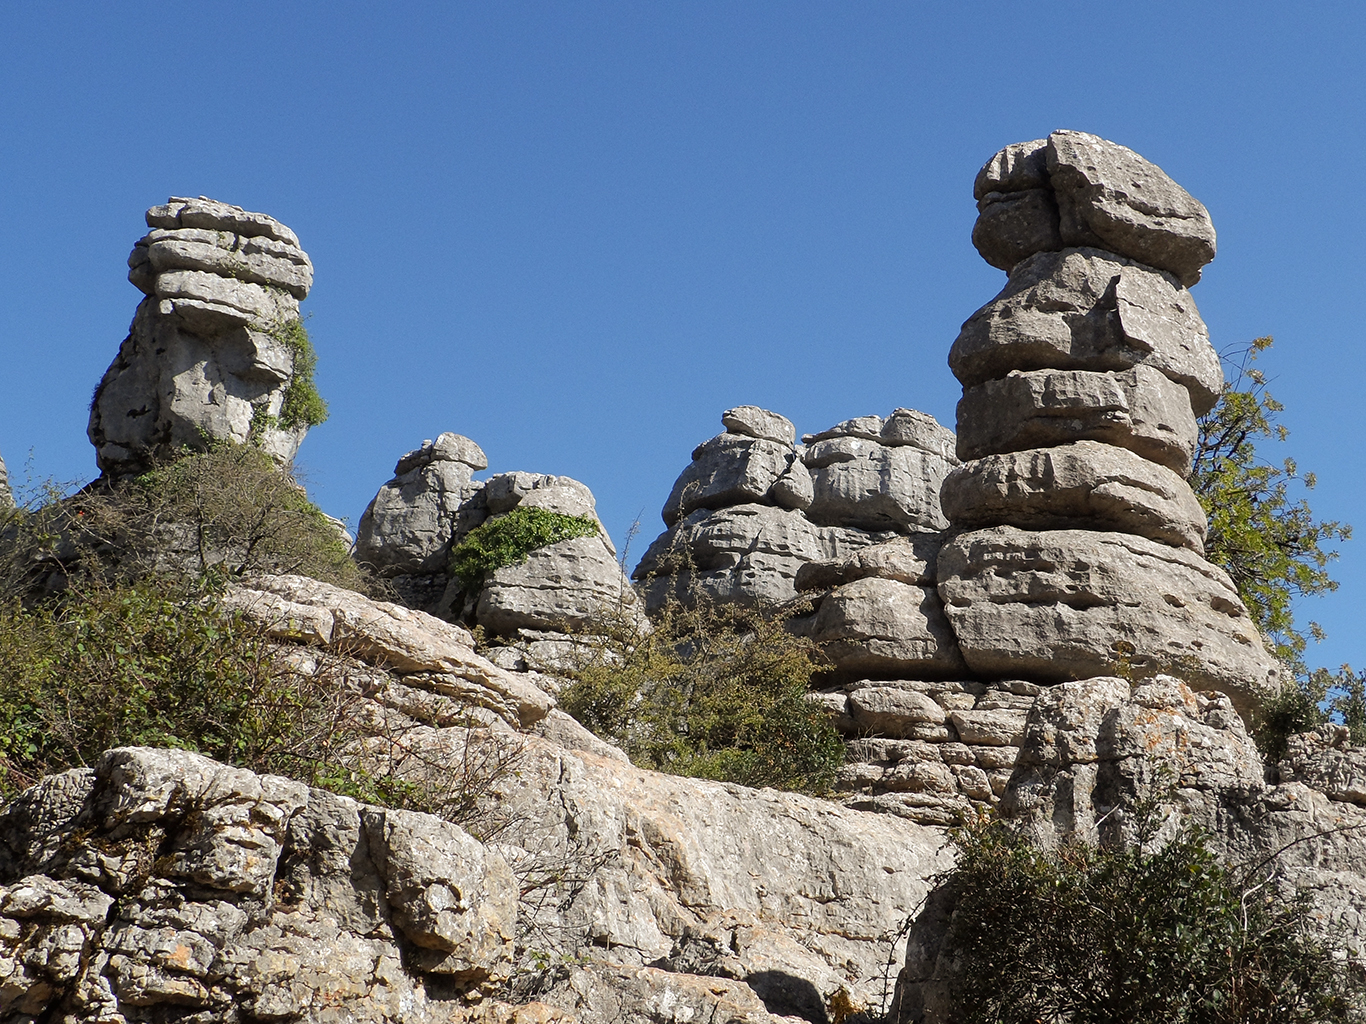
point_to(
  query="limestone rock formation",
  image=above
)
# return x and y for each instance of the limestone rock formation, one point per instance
(411, 525)
(6, 495)
(1067, 604)
(1090, 748)
(1087, 309)
(753, 507)
(930, 751)
(1138, 409)
(213, 350)
(1075, 189)
(1079, 542)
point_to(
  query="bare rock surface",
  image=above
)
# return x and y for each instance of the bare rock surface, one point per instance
(1138, 409)
(905, 559)
(409, 526)
(199, 888)
(1075, 189)
(206, 357)
(1082, 485)
(1126, 204)
(565, 586)
(747, 553)
(6, 495)
(883, 626)
(1085, 309)
(752, 421)
(730, 469)
(428, 652)
(1071, 604)
(871, 486)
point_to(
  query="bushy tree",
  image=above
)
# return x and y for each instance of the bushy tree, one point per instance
(1267, 540)
(1144, 933)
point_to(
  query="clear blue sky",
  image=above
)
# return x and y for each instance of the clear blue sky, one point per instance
(578, 231)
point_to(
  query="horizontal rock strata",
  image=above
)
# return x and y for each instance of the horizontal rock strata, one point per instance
(1138, 409)
(1070, 604)
(1083, 485)
(1087, 309)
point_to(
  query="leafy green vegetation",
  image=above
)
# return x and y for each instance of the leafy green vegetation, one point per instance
(711, 691)
(1270, 544)
(508, 539)
(1129, 935)
(302, 406)
(158, 664)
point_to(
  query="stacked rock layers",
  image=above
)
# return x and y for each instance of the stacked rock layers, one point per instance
(1082, 544)
(850, 518)
(206, 357)
(432, 502)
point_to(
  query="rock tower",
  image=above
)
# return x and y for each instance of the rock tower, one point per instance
(214, 347)
(1081, 551)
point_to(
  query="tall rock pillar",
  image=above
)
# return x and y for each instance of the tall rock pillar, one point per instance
(1081, 551)
(216, 350)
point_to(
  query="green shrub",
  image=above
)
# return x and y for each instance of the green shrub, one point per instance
(155, 664)
(711, 691)
(1089, 935)
(302, 405)
(229, 509)
(508, 539)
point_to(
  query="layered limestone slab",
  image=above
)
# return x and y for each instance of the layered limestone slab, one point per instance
(1138, 409)
(206, 358)
(885, 627)
(1083, 485)
(752, 421)
(748, 553)
(905, 559)
(569, 585)
(409, 525)
(1085, 309)
(730, 469)
(871, 486)
(1071, 604)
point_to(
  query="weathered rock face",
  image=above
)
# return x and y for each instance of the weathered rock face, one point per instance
(6, 496)
(1138, 409)
(1076, 189)
(1082, 380)
(1087, 309)
(209, 354)
(930, 751)
(1070, 604)
(200, 888)
(1077, 485)
(753, 507)
(410, 527)
(1090, 749)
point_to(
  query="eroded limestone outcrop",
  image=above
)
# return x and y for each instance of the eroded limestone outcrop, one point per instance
(214, 347)
(1078, 543)
(749, 510)
(410, 527)
(1090, 749)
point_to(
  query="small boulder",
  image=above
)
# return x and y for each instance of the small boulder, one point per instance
(751, 421)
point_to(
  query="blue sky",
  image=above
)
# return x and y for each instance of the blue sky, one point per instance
(576, 232)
